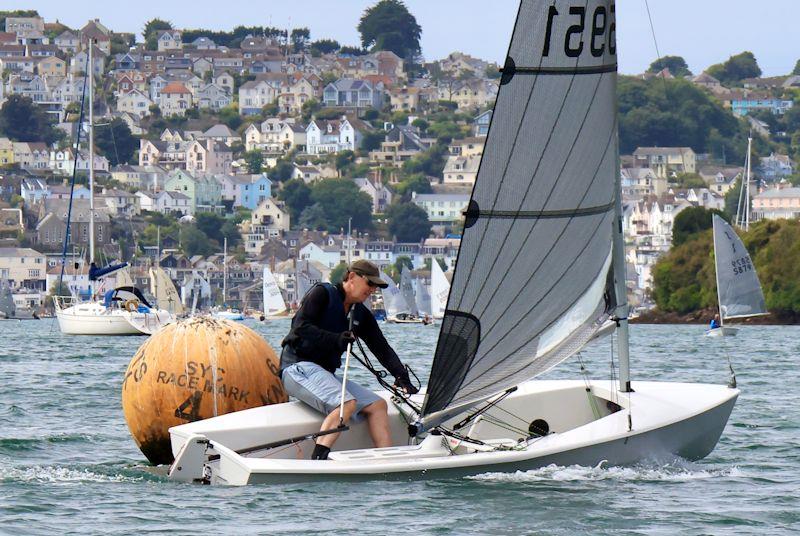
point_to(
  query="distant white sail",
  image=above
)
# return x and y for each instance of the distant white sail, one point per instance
(440, 289)
(423, 297)
(407, 290)
(738, 287)
(273, 300)
(164, 290)
(393, 301)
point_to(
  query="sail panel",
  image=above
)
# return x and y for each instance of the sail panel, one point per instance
(407, 290)
(271, 294)
(738, 287)
(530, 283)
(440, 290)
(393, 300)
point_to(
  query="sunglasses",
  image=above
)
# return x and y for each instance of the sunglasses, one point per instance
(370, 283)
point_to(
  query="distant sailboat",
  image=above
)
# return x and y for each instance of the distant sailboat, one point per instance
(7, 307)
(162, 287)
(271, 294)
(226, 313)
(440, 290)
(738, 288)
(401, 307)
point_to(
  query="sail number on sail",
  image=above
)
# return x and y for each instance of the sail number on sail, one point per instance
(600, 28)
(742, 265)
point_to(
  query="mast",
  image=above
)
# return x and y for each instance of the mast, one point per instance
(716, 275)
(747, 182)
(621, 313)
(349, 239)
(225, 271)
(91, 155)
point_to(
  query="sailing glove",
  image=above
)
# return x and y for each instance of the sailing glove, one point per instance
(405, 384)
(345, 338)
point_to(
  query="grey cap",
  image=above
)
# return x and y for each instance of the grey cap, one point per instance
(368, 270)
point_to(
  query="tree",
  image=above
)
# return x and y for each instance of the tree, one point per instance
(689, 180)
(402, 261)
(338, 272)
(344, 160)
(297, 196)
(732, 200)
(150, 32)
(230, 231)
(323, 46)
(211, 225)
(230, 116)
(341, 199)
(254, 161)
(796, 69)
(195, 242)
(282, 171)
(299, 38)
(676, 65)
(408, 222)
(416, 182)
(388, 25)
(690, 221)
(736, 69)
(309, 108)
(351, 51)
(115, 142)
(22, 120)
(372, 140)
(313, 217)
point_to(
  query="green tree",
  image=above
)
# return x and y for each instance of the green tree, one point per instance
(732, 200)
(690, 221)
(343, 161)
(299, 39)
(388, 25)
(416, 182)
(297, 196)
(150, 32)
(402, 261)
(195, 242)
(676, 65)
(22, 120)
(313, 217)
(408, 222)
(254, 161)
(736, 69)
(115, 142)
(338, 272)
(372, 140)
(309, 108)
(796, 69)
(211, 225)
(683, 280)
(341, 199)
(230, 116)
(230, 231)
(689, 180)
(282, 171)
(323, 46)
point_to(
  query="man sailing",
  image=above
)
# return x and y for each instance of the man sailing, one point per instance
(312, 351)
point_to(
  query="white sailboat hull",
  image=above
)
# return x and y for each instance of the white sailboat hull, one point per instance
(669, 420)
(724, 331)
(92, 318)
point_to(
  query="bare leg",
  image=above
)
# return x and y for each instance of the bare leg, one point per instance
(378, 423)
(332, 421)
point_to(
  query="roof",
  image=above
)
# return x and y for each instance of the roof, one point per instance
(18, 252)
(660, 150)
(175, 87)
(779, 193)
(220, 131)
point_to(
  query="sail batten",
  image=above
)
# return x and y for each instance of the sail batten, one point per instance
(530, 285)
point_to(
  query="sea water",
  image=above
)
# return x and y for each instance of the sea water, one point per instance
(68, 464)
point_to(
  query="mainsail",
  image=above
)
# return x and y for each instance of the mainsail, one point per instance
(738, 287)
(407, 289)
(162, 287)
(423, 297)
(273, 300)
(440, 289)
(393, 301)
(532, 282)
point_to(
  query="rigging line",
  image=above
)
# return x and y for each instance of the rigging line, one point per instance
(488, 330)
(546, 201)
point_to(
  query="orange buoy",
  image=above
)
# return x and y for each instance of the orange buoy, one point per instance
(195, 369)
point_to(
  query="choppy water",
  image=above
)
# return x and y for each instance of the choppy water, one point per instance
(69, 465)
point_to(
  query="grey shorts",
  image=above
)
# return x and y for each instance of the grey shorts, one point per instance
(322, 390)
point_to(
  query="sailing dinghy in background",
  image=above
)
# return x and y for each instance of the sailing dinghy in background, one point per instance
(738, 288)
(540, 270)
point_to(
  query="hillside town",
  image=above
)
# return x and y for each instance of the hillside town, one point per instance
(298, 155)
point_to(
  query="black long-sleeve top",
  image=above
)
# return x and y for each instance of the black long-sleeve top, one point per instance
(308, 341)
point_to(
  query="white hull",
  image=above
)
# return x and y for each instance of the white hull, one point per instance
(93, 318)
(669, 420)
(228, 315)
(724, 331)
(395, 320)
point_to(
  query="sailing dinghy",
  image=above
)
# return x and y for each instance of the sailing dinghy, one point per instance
(738, 288)
(540, 271)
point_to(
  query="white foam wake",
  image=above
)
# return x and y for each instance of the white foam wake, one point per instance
(54, 474)
(558, 473)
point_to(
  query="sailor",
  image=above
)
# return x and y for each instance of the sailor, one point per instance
(312, 351)
(715, 322)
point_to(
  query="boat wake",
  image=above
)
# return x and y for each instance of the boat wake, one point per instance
(53, 474)
(674, 472)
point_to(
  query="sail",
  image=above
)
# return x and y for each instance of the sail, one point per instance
(303, 278)
(124, 278)
(162, 287)
(423, 297)
(440, 289)
(532, 275)
(407, 290)
(273, 300)
(738, 287)
(7, 307)
(393, 300)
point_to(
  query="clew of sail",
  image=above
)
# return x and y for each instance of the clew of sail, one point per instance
(738, 287)
(532, 282)
(272, 297)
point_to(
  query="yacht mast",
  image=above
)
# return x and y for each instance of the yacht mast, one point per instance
(225, 272)
(747, 191)
(91, 154)
(618, 261)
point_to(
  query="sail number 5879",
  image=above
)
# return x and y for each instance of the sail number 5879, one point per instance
(601, 32)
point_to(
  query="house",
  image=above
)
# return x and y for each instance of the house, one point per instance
(461, 169)
(134, 102)
(480, 124)
(332, 136)
(777, 203)
(380, 195)
(6, 152)
(254, 192)
(720, 179)
(80, 61)
(400, 144)
(352, 93)
(642, 182)
(208, 156)
(23, 268)
(203, 191)
(31, 155)
(308, 173)
(76, 278)
(776, 166)
(95, 32)
(224, 80)
(294, 95)
(126, 62)
(203, 43)
(140, 177)
(52, 226)
(221, 134)
(11, 224)
(255, 94)
(470, 94)
(51, 66)
(271, 214)
(169, 40)
(176, 203)
(442, 209)
(666, 161)
(213, 97)
(147, 200)
(25, 27)
(409, 99)
(743, 102)
(120, 202)
(291, 136)
(175, 99)
(33, 190)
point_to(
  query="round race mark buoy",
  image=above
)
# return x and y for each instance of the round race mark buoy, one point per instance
(195, 369)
